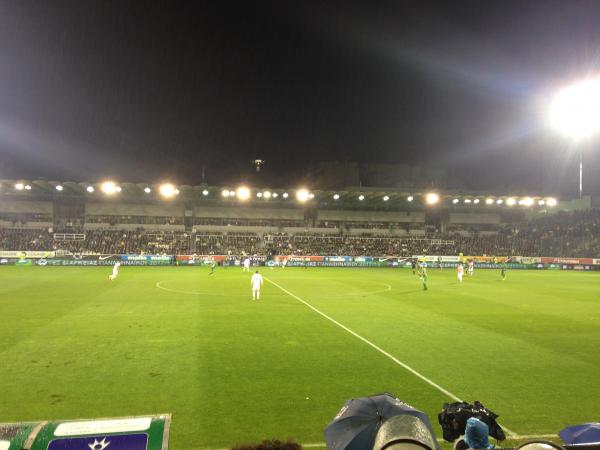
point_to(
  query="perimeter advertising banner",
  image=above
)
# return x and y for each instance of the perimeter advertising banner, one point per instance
(129, 433)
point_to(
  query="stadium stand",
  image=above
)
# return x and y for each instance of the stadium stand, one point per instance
(78, 225)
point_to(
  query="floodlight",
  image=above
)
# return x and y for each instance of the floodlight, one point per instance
(59, 187)
(410, 198)
(455, 201)
(243, 193)
(19, 186)
(476, 201)
(551, 202)
(147, 190)
(302, 195)
(336, 196)
(167, 190)
(511, 201)
(225, 192)
(118, 189)
(267, 194)
(90, 189)
(27, 187)
(386, 198)
(205, 192)
(575, 110)
(259, 194)
(432, 198)
(275, 195)
(232, 193)
(311, 195)
(361, 197)
(499, 201)
(285, 195)
(489, 201)
(541, 202)
(467, 200)
(108, 187)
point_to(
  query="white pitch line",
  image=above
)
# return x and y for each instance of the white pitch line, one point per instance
(380, 350)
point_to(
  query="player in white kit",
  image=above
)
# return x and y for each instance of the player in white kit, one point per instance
(471, 267)
(115, 272)
(459, 272)
(256, 283)
(246, 265)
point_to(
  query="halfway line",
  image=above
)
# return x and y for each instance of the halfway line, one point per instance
(379, 349)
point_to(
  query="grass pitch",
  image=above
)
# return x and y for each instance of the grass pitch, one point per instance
(74, 345)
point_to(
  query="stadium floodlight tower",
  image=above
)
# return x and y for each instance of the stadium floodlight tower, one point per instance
(575, 112)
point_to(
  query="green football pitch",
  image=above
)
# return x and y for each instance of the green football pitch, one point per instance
(175, 340)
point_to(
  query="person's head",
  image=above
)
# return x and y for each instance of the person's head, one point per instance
(257, 271)
(476, 434)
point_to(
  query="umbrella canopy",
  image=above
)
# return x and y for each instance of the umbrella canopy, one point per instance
(586, 434)
(357, 424)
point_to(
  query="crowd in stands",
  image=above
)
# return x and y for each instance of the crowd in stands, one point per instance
(568, 234)
(228, 222)
(142, 220)
(23, 218)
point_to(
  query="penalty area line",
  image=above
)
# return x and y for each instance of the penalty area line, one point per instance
(379, 349)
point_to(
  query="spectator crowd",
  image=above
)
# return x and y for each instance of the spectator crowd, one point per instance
(564, 234)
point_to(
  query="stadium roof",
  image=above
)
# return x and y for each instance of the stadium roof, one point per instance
(353, 198)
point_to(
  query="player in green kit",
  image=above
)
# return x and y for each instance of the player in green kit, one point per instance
(213, 266)
(503, 271)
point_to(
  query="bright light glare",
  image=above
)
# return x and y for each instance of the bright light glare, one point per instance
(147, 190)
(575, 110)
(27, 187)
(511, 201)
(467, 200)
(476, 201)
(489, 201)
(386, 198)
(311, 195)
(455, 201)
(275, 195)
(336, 196)
(499, 201)
(259, 194)
(225, 192)
(59, 187)
(167, 190)
(302, 195)
(90, 189)
(232, 193)
(267, 194)
(526, 201)
(410, 198)
(19, 186)
(361, 197)
(108, 187)
(205, 192)
(541, 202)
(551, 202)
(432, 198)
(243, 193)
(285, 195)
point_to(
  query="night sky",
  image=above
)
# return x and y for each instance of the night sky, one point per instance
(193, 91)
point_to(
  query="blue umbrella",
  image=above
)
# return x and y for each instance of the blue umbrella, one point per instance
(586, 434)
(357, 424)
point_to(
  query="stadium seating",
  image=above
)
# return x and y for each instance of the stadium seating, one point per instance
(567, 234)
